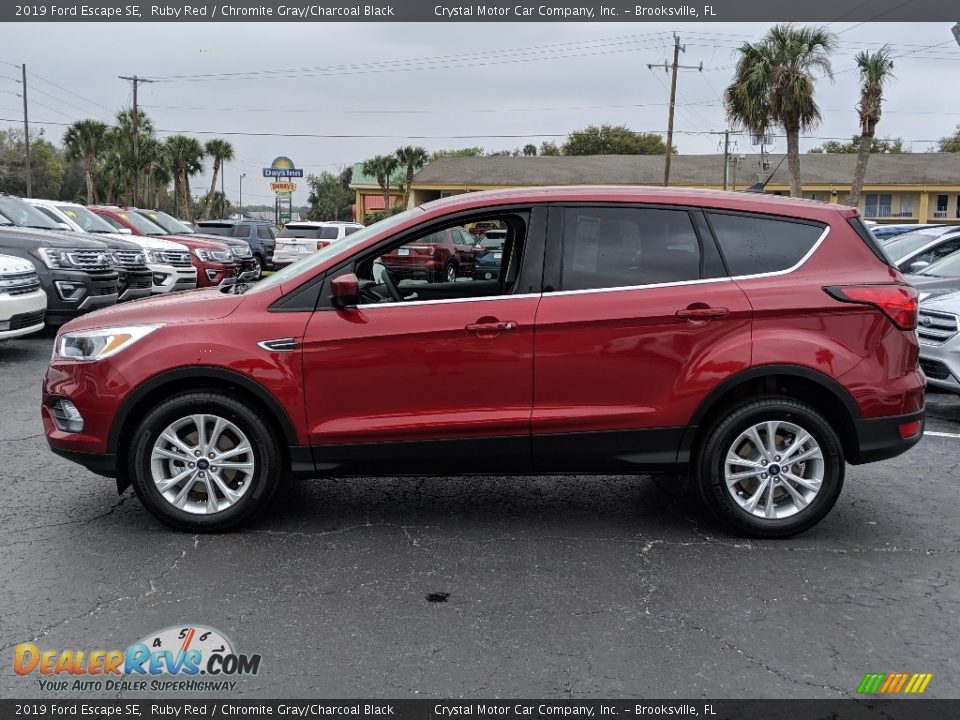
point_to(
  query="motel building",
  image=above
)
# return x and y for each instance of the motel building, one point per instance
(899, 188)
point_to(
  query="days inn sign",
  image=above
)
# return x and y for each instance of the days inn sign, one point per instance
(282, 167)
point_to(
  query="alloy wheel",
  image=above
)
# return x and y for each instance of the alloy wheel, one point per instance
(202, 464)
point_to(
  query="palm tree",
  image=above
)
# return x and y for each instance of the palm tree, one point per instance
(876, 70)
(221, 151)
(85, 141)
(186, 159)
(773, 85)
(381, 167)
(529, 150)
(414, 158)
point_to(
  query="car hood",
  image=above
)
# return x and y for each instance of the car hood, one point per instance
(174, 309)
(144, 241)
(948, 302)
(20, 236)
(10, 264)
(930, 285)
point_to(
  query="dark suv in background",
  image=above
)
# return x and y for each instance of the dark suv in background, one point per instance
(261, 235)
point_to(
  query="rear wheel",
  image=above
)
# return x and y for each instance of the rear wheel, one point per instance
(450, 273)
(257, 266)
(771, 467)
(203, 462)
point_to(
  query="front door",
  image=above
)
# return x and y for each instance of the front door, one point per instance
(423, 376)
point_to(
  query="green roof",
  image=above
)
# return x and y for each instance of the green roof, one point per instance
(361, 180)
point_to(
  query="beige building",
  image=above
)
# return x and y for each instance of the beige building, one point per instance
(899, 188)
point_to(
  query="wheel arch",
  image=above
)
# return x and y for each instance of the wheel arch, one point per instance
(820, 391)
(164, 385)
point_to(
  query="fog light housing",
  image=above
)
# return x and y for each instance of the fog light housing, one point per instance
(159, 278)
(212, 274)
(69, 290)
(66, 416)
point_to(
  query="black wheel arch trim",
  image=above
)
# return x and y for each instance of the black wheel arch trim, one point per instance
(201, 372)
(756, 373)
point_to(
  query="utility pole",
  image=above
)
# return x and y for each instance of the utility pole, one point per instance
(726, 158)
(677, 49)
(26, 132)
(135, 81)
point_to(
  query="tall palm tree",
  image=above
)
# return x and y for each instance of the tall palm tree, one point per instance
(186, 159)
(773, 85)
(413, 158)
(382, 167)
(221, 151)
(85, 141)
(152, 155)
(876, 70)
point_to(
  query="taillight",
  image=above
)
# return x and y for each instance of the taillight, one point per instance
(321, 244)
(897, 302)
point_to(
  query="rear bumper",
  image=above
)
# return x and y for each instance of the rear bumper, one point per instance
(882, 438)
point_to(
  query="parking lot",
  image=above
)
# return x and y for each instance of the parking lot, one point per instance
(546, 586)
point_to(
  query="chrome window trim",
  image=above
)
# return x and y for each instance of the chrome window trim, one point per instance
(679, 283)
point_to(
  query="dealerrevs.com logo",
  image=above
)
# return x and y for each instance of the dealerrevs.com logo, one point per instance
(185, 658)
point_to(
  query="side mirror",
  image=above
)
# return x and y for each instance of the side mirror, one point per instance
(125, 231)
(346, 291)
(64, 226)
(919, 265)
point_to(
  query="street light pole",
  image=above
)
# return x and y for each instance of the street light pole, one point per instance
(240, 201)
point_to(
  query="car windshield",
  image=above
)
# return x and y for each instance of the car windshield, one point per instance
(327, 232)
(89, 221)
(902, 245)
(141, 224)
(495, 241)
(307, 263)
(168, 222)
(24, 214)
(948, 267)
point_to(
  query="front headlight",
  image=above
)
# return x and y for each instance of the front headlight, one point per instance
(99, 344)
(52, 258)
(155, 257)
(213, 255)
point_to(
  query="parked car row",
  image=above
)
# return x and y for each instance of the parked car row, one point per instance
(78, 258)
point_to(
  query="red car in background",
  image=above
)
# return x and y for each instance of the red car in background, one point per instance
(213, 260)
(442, 256)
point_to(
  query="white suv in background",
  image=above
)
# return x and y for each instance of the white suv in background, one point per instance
(170, 262)
(938, 330)
(22, 302)
(304, 237)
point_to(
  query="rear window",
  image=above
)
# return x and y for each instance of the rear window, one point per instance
(312, 233)
(752, 245)
(225, 230)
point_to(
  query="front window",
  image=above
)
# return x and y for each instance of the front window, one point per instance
(168, 222)
(139, 223)
(949, 267)
(24, 214)
(89, 221)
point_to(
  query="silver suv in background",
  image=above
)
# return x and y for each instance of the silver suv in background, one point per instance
(304, 237)
(938, 329)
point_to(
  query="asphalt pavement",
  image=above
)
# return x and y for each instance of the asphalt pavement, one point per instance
(490, 586)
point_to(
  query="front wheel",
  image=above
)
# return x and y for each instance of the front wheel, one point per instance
(258, 266)
(203, 462)
(771, 467)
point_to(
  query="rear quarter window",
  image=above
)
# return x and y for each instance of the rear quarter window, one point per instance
(752, 245)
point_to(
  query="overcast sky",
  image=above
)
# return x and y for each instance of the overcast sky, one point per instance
(441, 79)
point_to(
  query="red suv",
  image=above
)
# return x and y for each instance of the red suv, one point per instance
(213, 260)
(753, 344)
(442, 256)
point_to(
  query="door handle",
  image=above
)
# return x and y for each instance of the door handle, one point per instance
(702, 313)
(489, 327)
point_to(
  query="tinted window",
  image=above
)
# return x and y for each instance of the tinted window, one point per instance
(241, 231)
(350, 230)
(216, 229)
(752, 245)
(623, 247)
(263, 232)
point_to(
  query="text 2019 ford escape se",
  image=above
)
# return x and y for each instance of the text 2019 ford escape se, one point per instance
(758, 343)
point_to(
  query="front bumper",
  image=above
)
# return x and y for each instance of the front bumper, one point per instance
(170, 278)
(941, 364)
(138, 284)
(22, 314)
(74, 292)
(883, 438)
(213, 274)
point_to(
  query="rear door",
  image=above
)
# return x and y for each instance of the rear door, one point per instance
(640, 323)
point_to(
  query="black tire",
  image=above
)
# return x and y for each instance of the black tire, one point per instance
(258, 266)
(720, 436)
(267, 470)
(449, 273)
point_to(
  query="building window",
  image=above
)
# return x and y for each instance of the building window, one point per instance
(942, 206)
(878, 205)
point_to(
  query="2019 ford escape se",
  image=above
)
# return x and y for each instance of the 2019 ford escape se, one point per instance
(756, 343)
